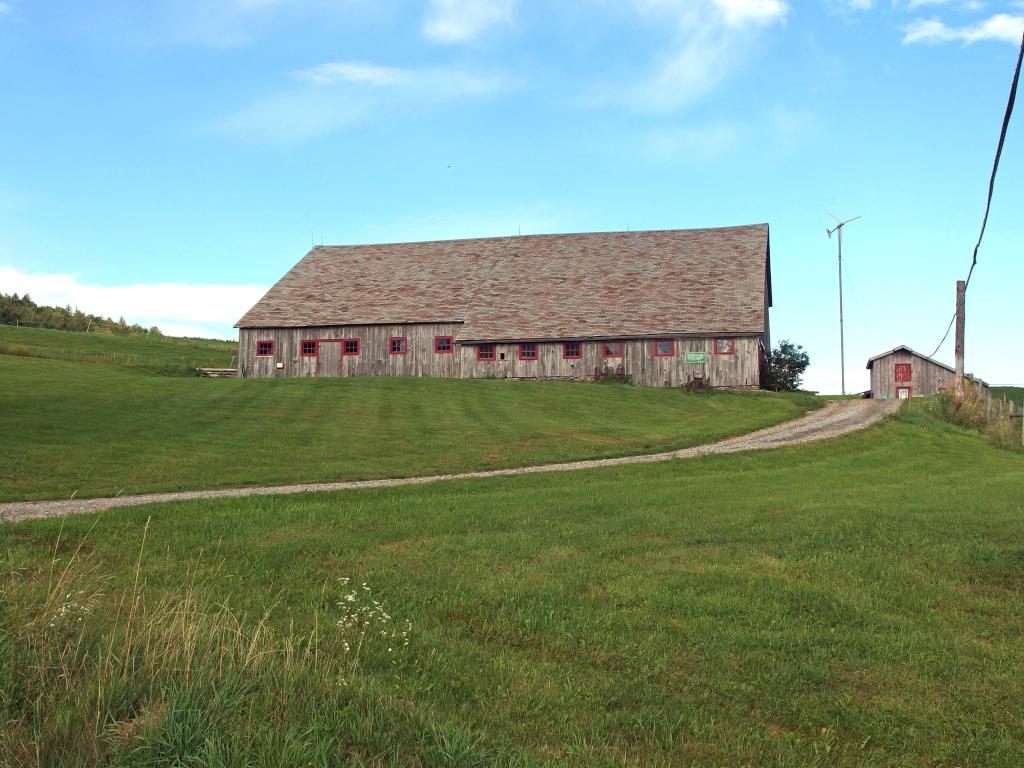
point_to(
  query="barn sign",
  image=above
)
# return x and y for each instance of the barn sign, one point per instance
(694, 357)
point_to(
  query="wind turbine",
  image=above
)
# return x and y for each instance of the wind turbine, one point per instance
(838, 230)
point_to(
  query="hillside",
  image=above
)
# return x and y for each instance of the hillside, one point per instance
(97, 430)
(1010, 393)
(169, 355)
(853, 603)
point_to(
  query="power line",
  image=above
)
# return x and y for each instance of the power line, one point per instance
(991, 182)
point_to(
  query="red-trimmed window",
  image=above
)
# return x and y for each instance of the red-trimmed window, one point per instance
(611, 349)
(903, 372)
(264, 348)
(443, 345)
(397, 345)
(350, 346)
(664, 347)
(572, 350)
(528, 350)
(485, 352)
(308, 348)
(725, 346)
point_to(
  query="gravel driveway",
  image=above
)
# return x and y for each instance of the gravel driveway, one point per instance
(837, 417)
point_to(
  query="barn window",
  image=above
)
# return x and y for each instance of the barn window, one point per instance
(725, 346)
(485, 352)
(397, 344)
(611, 349)
(664, 348)
(350, 347)
(528, 351)
(264, 348)
(903, 371)
(442, 344)
(308, 348)
(572, 350)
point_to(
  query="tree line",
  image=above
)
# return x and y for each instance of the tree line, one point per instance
(21, 310)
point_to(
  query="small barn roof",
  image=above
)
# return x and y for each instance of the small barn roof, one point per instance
(538, 286)
(904, 348)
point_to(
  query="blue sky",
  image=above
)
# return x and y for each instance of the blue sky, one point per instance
(167, 160)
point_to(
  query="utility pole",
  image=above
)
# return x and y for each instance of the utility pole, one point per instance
(961, 295)
(838, 231)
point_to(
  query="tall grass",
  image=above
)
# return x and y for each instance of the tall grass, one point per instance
(984, 414)
(93, 678)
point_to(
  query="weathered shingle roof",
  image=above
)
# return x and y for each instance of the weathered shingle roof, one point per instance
(536, 287)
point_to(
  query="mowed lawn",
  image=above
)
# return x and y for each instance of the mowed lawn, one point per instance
(855, 602)
(93, 430)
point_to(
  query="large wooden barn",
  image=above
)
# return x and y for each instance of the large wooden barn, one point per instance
(659, 307)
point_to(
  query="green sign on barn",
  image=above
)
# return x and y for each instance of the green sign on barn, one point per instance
(693, 357)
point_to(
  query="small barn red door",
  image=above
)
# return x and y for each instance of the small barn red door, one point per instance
(903, 372)
(903, 393)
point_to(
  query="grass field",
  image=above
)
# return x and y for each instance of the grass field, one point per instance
(162, 354)
(851, 603)
(95, 430)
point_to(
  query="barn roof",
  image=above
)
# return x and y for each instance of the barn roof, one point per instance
(904, 348)
(536, 287)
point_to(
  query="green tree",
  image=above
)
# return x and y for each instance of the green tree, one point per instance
(783, 367)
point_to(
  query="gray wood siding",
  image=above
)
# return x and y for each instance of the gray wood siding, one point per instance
(638, 360)
(740, 369)
(926, 378)
(374, 358)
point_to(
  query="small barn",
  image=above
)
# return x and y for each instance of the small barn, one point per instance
(657, 307)
(903, 373)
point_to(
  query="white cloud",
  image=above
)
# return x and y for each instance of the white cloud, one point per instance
(352, 72)
(1002, 27)
(459, 21)
(6, 9)
(177, 308)
(758, 12)
(440, 83)
(338, 94)
(708, 38)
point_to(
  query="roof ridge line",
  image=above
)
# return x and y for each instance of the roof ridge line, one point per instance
(540, 235)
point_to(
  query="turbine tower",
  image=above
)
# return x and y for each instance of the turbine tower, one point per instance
(838, 231)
